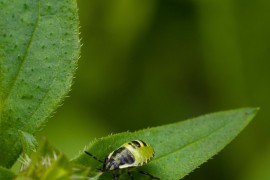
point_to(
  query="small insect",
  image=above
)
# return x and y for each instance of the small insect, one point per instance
(129, 155)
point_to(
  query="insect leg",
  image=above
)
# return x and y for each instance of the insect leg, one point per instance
(130, 175)
(150, 175)
(116, 177)
(88, 153)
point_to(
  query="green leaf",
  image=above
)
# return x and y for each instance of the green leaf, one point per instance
(6, 174)
(29, 142)
(180, 147)
(48, 163)
(39, 48)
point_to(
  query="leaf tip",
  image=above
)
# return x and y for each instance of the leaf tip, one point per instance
(252, 111)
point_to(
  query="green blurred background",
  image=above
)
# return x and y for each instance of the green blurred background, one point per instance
(151, 62)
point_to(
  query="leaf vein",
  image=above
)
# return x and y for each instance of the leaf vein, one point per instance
(26, 53)
(193, 142)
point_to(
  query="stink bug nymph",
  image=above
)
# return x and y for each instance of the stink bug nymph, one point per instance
(129, 155)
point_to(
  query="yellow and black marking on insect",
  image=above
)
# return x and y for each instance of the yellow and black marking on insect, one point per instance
(129, 155)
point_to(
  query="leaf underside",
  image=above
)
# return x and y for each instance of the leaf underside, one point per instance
(39, 49)
(180, 147)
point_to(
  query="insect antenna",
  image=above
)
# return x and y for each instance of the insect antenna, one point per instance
(88, 153)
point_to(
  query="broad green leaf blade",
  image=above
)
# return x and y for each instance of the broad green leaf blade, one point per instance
(180, 147)
(39, 48)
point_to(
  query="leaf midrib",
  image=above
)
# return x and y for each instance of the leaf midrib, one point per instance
(23, 60)
(193, 142)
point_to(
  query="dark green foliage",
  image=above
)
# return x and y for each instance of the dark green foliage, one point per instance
(6, 174)
(39, 48)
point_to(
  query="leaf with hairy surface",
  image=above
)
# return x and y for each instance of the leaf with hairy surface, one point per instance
(39, 49)
(180, 147)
